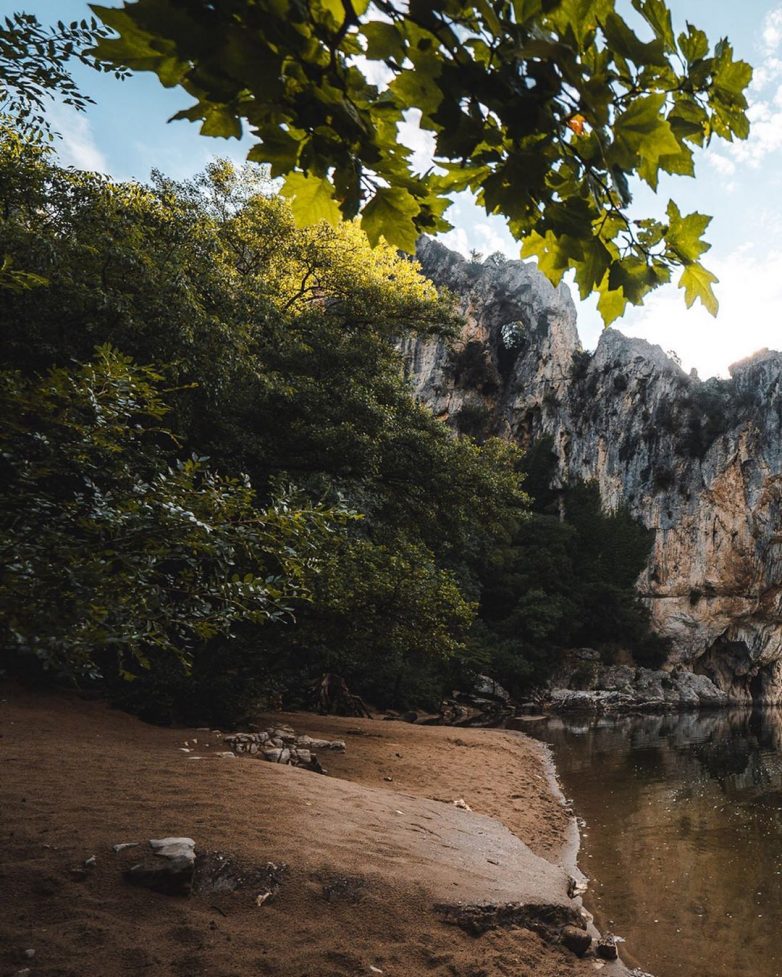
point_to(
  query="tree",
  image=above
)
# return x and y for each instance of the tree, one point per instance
(33, 69)
(545, 109)
(282, 345)
(107, 548)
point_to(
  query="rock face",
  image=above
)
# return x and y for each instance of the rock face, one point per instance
(700, 463)
(583, 683)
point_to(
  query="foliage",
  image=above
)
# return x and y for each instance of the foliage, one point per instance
(33, 62)
(545, 109)
(284, 366)
(186, 274)
(108, 547)
(558, 584)
(386, 616)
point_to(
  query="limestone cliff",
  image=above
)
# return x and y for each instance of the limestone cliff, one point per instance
(699, 462)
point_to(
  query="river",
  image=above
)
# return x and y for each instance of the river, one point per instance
(683, 836)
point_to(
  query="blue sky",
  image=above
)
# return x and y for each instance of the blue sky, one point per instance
(126, 134)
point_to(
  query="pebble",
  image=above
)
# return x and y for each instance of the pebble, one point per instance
(123, 845)
(29, 954)
(90, 862)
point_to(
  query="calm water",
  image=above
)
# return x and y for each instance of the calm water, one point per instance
(683, 836)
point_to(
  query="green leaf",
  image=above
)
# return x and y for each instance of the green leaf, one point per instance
(278, 148)
(696, 282)
(694, 45)
(658, 17)
(689, 120)
(311, 199)
(685, 233)
(732, 78)
(643, 136)
(626, 43)
(383, 41)
(391, 214)
(554, 253)
(591, 270)
(611, 304)
(418, 86)
(219, 120)
(136, 48)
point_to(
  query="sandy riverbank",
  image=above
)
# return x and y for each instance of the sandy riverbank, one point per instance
(370, 850)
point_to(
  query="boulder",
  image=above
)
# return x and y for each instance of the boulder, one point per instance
(169, 869)
(606, 947)
(576, 940)
(487, 688)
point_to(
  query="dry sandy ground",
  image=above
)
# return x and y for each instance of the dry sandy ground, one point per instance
(367, 857)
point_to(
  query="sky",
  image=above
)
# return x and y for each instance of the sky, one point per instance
(126, 134)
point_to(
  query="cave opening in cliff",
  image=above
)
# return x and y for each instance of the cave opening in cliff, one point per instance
(730, 664)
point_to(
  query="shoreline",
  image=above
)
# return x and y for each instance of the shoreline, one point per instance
(382, 866)
(570, 852)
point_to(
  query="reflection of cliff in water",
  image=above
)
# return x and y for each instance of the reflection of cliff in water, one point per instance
(683, 836)
(740, 748)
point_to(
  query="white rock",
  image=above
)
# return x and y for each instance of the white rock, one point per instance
(158, 843)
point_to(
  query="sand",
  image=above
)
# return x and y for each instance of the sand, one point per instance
(367, 857)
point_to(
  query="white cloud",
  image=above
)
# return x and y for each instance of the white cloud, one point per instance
(723, 165)
(772, 30)
(457, 240)
(421, 141)
(77, 147)
(491, 240)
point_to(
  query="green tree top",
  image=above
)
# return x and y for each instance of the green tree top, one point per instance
(543, 108)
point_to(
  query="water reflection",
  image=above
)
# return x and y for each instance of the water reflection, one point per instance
(683, 839)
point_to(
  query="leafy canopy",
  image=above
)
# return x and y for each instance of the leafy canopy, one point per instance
(33, 69)
(281, 345)
(545, 109)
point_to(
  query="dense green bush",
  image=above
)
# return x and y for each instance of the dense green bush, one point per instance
(113, 551)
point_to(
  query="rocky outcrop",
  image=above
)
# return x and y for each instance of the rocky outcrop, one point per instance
(583, 683)
(281, 744)
(700, 463)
